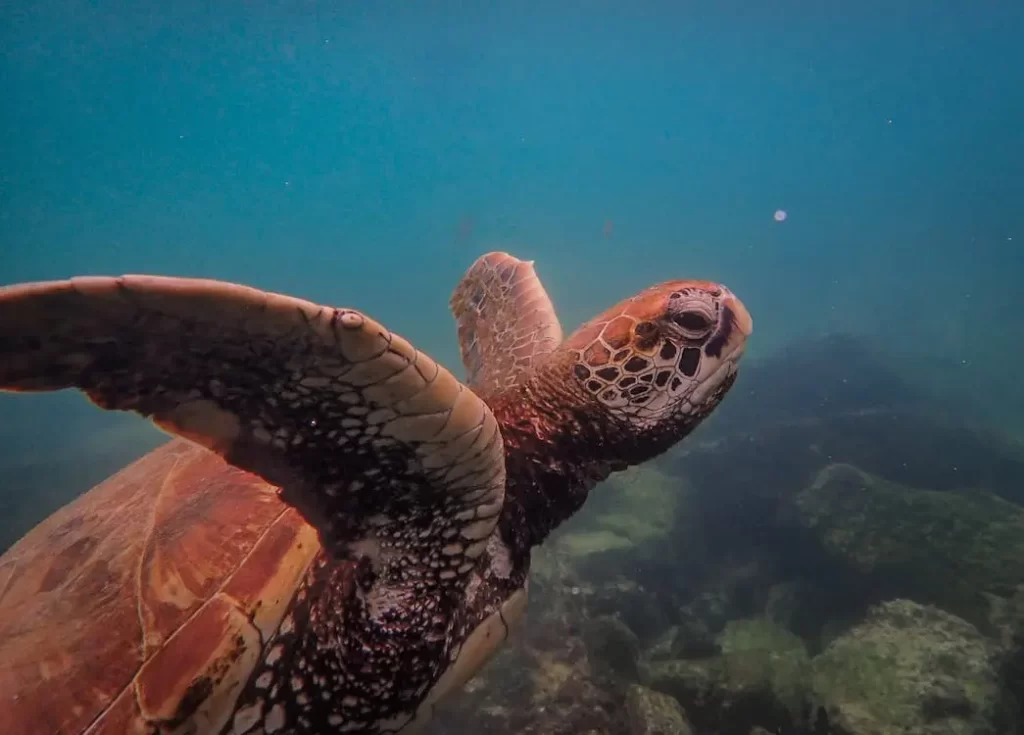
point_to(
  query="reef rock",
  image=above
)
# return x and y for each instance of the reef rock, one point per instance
(947, 548)
(652, 713)
(761, 678)
(612, 646)
(915, 670)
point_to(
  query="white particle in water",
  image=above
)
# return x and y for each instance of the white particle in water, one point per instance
(780, 215)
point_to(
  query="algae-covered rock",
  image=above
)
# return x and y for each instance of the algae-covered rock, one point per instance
(549, 676)
(653, 713)
(709, 609)
(911, 669)
(1007, 618)
(612, 646)
(583, 543)
(769, 656)
(631, 602)
(762, 677)
(660, 648)
(638, 504)
(943, 547)
(800, 606)
(631, 511)
(731, 588)
(693, 638)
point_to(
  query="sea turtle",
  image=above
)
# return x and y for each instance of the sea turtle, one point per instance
(340, 533)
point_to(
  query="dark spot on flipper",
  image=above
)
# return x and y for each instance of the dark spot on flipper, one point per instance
(608, 373)
(668, 351)
(581, 371)
(506, 272)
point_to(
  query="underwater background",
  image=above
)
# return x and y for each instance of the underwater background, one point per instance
(853, 171)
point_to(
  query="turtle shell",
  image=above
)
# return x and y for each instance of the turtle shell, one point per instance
(145, 603)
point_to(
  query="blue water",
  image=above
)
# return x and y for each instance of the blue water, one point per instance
(363, 154)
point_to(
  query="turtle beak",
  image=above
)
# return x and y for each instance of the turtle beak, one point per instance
(740, 316)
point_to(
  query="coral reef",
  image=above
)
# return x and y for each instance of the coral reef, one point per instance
(651, 713)
(912, 669)
(955, 549)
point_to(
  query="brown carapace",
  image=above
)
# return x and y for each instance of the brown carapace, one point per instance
(339, 535)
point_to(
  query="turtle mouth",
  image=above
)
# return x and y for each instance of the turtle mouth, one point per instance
(697, 397)
(700, 399)
(741, 318)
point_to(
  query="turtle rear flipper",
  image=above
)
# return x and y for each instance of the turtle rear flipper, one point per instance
(505, 319)
(379, 447)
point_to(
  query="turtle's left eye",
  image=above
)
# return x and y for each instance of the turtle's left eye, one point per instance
(692, 321)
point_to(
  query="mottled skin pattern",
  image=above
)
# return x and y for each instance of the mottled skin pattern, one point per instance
(571, 424)
(331, 407)
(333, 663)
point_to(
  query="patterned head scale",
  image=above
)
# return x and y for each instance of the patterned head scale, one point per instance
(665, 356)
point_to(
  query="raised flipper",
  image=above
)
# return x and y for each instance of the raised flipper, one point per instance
(383, 450)
(505, 319)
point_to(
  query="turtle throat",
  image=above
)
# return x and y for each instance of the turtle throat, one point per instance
(559, 443)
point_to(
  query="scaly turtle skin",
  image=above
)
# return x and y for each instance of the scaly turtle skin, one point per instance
(340, 535)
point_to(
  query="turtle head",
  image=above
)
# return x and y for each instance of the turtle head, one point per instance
(660, 361)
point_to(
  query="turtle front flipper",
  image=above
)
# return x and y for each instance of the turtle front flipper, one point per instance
(379, 447)
(505, 319)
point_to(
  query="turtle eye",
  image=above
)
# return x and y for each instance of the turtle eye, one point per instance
(692, 321)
